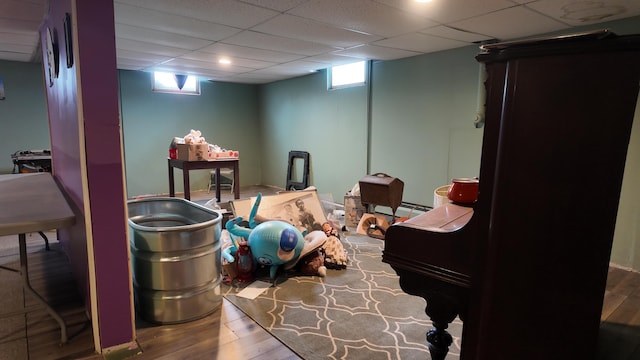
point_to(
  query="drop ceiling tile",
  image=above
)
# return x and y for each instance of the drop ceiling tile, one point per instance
(445, 11)
(201, 73)
(277, 5)
(300, 66)
(578, 13)
(373, 52)
(366, 16)
(132, 64)
(160, 37)
(141, 56)
(251, 53)
(420, 43)
(238, 61)
(336, 58)
(126, 44)
(15, 56)
(276, 43)
(455, 34)
(24, 10)
(251, 78)
(26, 49)
(156, 20)
(19, 26)
(19, 38)
(282, 71)
(252, 64)
(225, 12)
(209, 65)
(510, 24)
(310, 30)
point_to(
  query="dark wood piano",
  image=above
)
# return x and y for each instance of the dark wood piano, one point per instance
(525, 267)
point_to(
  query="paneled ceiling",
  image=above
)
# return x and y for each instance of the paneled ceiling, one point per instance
(269, 40)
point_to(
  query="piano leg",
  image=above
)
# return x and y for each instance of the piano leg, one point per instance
(444, 302)
(438, 341)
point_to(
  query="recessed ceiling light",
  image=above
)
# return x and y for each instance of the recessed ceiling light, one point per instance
(224, 61)
(423, 1)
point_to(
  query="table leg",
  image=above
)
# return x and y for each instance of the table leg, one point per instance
(46, 240)
(187, 185)
(24, 272)
(236, 180)
(218, 184)
(172, 188)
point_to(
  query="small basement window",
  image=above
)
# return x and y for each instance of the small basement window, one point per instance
(168, 83)
(347, 75)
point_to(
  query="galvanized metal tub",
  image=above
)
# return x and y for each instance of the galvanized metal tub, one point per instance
(175, 248)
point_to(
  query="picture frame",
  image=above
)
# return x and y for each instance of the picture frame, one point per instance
(53, 57)
(353, 210)
(302, 209)
(68, 40)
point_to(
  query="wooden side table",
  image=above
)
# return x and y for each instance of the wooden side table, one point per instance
(186, 166)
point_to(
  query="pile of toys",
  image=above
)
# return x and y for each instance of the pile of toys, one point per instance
(273, 244)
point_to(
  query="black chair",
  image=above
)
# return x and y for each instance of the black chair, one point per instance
(292, 184)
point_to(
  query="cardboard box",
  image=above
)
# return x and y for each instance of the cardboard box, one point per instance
(193, 152)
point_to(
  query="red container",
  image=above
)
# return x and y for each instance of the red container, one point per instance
(463, 190)
(173, 153)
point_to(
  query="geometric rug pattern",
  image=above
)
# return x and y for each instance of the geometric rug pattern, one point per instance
(355, 313)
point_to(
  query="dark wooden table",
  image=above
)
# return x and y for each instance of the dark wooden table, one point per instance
(186, 166)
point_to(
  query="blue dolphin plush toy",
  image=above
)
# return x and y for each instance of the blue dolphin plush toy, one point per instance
(272, 243)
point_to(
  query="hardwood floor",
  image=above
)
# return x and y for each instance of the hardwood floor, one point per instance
(619, 336)
(225, 334)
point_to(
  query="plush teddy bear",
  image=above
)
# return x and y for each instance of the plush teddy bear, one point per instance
(194, 137)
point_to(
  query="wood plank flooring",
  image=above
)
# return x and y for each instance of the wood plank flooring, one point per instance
(34, 334)
(619, 336)
(227, 333)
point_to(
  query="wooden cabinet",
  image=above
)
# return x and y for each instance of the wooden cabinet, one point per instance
(534, 254)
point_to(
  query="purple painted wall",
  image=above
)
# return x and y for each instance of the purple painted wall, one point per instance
(92, 128)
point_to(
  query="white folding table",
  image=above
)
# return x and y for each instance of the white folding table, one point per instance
(33, 203)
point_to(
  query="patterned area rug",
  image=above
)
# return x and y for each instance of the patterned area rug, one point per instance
(356, 313)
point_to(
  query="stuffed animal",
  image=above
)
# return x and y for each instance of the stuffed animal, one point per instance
(194, 137)
(311, 259)
(272, 243)
(313, 263)
(329, 230)
(228, 253)
(335, 255)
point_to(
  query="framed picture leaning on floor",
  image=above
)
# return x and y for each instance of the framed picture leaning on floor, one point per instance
(302, 209)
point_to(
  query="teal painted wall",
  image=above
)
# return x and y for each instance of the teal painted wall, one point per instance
(626, 239)
(422, 128)
(23, 112)
(422, 112)
(225, 113)
(301, 114)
